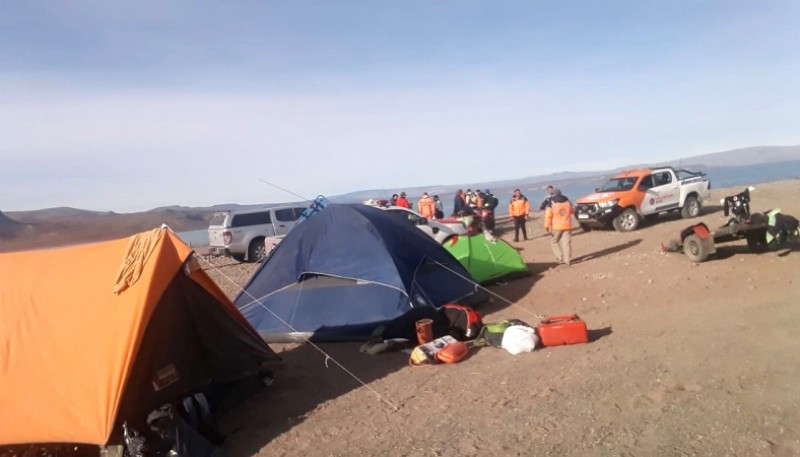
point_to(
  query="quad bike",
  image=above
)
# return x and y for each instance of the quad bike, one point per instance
(761, 230)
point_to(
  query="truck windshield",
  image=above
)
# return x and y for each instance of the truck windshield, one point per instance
(618, 184)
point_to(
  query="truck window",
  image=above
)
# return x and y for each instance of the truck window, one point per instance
(243, 220)
(662, 179)
(647, 182)
(618, 184)
(218, 218)
(285, 215)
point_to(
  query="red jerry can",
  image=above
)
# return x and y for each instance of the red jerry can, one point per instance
(562, 329)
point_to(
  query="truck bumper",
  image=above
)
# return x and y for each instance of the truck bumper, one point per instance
(216, 250)
(591, 214)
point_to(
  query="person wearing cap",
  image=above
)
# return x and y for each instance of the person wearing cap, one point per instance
(426, 206)
(402, 201)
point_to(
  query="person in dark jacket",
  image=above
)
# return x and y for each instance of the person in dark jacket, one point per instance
(459, 204)
(488, 204)
(551, 192)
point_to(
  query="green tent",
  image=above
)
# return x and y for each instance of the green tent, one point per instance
(487, 261)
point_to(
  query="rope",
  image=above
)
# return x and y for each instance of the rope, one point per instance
(471, 281)
(321, 351)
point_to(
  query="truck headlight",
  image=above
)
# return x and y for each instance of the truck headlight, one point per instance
(608, 204)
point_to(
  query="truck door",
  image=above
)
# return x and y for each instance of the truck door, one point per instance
(663, 193)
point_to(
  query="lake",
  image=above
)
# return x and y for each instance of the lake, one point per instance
(720, 177)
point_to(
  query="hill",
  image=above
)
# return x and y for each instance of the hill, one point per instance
(64, 225)
(9, 228)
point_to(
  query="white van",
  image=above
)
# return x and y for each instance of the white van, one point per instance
(240, 234)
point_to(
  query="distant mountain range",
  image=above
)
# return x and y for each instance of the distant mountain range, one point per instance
(58, 226)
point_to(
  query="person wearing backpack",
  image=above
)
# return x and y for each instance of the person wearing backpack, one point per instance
(558, 222)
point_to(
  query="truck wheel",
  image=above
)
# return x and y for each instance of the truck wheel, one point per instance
(628, 221)
(695, 248)
(257, 250)
(691, 208)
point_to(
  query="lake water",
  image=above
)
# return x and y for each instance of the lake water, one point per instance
(720, 177)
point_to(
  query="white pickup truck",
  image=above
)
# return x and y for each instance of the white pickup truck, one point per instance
(633, 194)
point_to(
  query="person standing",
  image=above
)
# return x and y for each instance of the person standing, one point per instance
(393, 201)
(459, 203)
(439, 213)
(558, 222)
(518, 209)
(488, 204)
(426, 206)
(546, 202)
(471, 200)
(402, 201)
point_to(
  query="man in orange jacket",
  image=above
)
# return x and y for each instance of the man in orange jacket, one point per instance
(426, 206)
(558, 222)
(518, 209)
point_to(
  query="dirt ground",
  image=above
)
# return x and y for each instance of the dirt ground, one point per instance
(685, 359)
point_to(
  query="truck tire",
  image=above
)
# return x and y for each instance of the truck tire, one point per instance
(257, 250)
(628, 221)
(691, 208)
(695, 249)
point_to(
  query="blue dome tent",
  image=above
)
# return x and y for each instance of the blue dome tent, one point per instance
(347, 270)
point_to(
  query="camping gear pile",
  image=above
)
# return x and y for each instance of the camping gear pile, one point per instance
(762, 231)
(120, 341)
(448, 342)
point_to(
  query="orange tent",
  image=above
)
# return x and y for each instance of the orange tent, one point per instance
(95, 334)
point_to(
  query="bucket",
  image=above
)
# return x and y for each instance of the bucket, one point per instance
(424, 331)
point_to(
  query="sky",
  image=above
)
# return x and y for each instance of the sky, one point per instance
(131, 105)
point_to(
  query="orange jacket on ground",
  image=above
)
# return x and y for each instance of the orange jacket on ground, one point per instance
(427, 207)
(519, 207)
(558, 216)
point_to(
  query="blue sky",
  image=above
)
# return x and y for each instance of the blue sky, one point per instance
(127, 106)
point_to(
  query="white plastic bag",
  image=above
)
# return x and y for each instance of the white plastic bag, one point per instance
(519, 338)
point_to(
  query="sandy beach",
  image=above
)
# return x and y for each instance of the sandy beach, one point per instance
(685, 359)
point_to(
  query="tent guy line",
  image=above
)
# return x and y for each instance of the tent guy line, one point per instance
(526, 310)
(321, 351)
(285, 190)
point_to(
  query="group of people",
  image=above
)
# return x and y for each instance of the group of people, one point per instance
(558, 212)
(427, 206)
